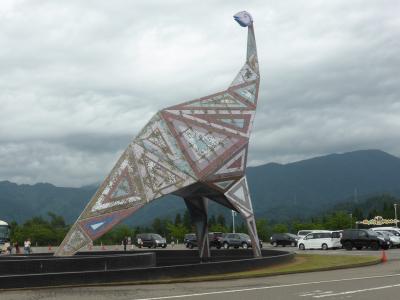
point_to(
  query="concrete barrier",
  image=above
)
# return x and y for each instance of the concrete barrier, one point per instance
(84, 269)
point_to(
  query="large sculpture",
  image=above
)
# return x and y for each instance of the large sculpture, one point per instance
(196, 150)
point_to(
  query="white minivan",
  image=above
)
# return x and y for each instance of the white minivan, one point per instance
(320, 240)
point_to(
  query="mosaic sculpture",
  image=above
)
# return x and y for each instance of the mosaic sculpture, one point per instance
(196, 150)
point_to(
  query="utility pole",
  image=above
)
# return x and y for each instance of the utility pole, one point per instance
(395, 213)
(233, 221)
(351, 220)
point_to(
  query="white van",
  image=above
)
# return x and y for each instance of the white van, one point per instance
(320, 240)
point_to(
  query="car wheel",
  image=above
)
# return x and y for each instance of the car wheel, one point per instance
(226, 245)
(348, 246)
(164, 246)
(359, 247)
(374, 246)
(190, 246)
(218, 247)
(302, 247)
(275, 244)
(293, 244)
(245, 246)
(324, 247)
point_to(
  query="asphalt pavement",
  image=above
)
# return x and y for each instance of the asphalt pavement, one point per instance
(371, 282)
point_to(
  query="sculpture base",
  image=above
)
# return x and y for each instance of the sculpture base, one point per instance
(134, 267)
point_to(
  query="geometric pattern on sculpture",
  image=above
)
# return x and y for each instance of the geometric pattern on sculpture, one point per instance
(196, 150)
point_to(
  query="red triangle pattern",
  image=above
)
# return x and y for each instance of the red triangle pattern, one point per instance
(208, 146)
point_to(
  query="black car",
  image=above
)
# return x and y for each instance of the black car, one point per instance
(363, 238)
(237, 240)
(190, 240)
(284, 239)
(215, 239)
(150, 240)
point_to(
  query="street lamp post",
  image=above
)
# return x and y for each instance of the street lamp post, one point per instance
(233, 221)
(395, 213)
(351, 220)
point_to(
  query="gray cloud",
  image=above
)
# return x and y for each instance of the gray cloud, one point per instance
(79, 79)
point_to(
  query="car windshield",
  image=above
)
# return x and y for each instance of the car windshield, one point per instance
(394, 232)
(244, 235)
(292, 235)
(387, 233)
(304, 232)
(157, 236)
(371, 232)
(4, 232)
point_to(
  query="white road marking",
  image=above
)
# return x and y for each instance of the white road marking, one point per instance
(312, 293)
(267, 288)
(359, 291)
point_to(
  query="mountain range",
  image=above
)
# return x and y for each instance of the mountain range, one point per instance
(279, 191)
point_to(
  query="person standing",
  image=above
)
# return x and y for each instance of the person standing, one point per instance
(27, 246)
(16, 246)
(125, 242)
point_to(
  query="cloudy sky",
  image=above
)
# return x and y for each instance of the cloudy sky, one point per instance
(78, 79)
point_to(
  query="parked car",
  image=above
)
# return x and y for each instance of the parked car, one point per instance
(320, 240)
(303, 233)
(190, 240)
(283, 239)
(215, 239)
(237, 240)
(150, 240)
(363, 238)
(394, 230)
(394, 240)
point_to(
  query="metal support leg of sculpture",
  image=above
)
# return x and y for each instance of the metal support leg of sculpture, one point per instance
(198, 208)
(239, 196)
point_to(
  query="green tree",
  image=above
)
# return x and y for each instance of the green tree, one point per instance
(187, 222)
(221, 220)
(262, 229)
(177, 231)
(178, 219)
(280, 228)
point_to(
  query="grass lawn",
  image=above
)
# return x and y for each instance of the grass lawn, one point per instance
(301, 263)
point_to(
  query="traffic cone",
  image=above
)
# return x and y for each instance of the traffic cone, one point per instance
(384, 257)
(49, 248)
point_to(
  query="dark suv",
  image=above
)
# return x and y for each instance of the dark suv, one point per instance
(215, 239)
(360, 238)
(237, 240)
(190, 240)
(284, 239)
(150, 240)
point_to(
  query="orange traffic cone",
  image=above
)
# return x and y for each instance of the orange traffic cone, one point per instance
(49, 248)
(384, 257)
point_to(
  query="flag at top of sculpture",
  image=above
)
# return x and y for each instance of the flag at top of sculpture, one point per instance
(196, 150)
